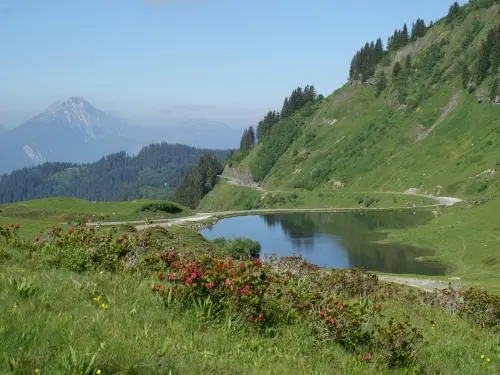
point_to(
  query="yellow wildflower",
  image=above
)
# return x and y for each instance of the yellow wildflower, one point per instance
(488, 360)
(482, 356)
(104, 306)
(37, 371)
(98, 372)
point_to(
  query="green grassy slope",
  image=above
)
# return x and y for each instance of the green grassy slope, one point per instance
(427, 132)
(36, 215)
(58, 321)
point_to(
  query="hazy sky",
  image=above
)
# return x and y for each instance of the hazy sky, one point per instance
(225, 59)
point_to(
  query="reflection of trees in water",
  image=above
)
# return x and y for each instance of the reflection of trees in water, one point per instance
(357, 236)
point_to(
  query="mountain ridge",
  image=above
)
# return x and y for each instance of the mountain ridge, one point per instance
(75, 131)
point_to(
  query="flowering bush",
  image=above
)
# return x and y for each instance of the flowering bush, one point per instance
(345, 325)
(8, 235)
(237, 287)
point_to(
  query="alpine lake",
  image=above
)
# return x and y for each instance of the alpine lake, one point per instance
(335, 240)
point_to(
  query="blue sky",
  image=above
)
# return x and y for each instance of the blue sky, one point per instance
(229, 60)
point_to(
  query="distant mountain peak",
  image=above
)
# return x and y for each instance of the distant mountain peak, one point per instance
(79, 114)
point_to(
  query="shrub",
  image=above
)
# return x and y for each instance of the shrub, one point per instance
(167, 207)
(228, 287)
(241, 248)
(344, 324)
(481, 307)
(399, 343)
(476, 304)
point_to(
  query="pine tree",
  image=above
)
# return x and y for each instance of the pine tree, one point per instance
(454, 11)
(418, 29)
(243, 141)
(379, 51)
(404, 36)
(251, 137)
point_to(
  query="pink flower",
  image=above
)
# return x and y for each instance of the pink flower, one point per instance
(322, 313)
(228, 283)
(340, 306)
(210, 285)
(367, 357)
(189, 281)
(171, 277)
(245, 290)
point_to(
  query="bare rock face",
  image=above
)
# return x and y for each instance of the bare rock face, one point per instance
(240, 176)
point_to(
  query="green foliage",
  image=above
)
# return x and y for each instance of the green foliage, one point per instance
(400, 343)
(489, 56)
(22, 286)
(239, 248)
(247, 140)
(381, 83)
(278, 141)
(265, 125)
(200, 182)
(155, 172)
(166, 207)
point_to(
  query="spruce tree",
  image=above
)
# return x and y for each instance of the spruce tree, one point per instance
(404, 36)
(243, 141)
(379, 51)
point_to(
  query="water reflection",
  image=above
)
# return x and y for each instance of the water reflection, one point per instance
(335, 239)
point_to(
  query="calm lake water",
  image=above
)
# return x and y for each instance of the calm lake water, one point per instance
(338, 240)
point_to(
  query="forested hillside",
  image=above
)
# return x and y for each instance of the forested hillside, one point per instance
(420, 112)
(155, 172)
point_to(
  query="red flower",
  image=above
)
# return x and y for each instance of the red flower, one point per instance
(245, 290)
(261, 317)
(367, 357)
(233, 273)
(243, 267)
(160, 276)
(171, 277)
(189, 281)
(322, 313)
(251, 317)
(228, 283)
(210, 285)
(256, 262)
(340, 306)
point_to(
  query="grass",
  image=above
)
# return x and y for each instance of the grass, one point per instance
(226, 197)
(36, 215)
(467, 238)
(355, 142)
(52, 323)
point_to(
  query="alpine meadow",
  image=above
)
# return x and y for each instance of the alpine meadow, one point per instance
(106, 267)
